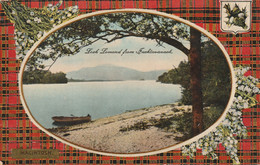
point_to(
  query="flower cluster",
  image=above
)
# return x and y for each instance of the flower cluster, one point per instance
(232, 126)
(33, 23)
(58, 16)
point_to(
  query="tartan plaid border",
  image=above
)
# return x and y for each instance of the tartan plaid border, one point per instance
(16, 130)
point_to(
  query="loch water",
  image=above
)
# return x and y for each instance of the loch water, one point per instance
(99, 99)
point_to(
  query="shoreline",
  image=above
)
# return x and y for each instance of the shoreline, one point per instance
(133, 131)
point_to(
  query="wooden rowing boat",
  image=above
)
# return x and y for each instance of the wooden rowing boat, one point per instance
(64, 120)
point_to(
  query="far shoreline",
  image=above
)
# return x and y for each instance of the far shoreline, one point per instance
(72, 81)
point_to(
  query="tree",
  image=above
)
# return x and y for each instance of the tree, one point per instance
(43, 77)
(216, 79)
(195, 72)
(116, 26)
(110, 27)
(32, 23)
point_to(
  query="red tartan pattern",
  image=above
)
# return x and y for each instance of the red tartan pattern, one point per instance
(17, 131)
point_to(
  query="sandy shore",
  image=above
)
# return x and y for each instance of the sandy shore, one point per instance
(117, 134)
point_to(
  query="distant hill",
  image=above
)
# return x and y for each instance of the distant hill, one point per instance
(112, 72)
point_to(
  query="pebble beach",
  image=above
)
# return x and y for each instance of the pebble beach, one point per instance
(113, 134)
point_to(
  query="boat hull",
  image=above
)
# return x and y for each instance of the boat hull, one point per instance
(62, 120)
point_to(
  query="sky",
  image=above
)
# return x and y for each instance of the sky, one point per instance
(141, 62)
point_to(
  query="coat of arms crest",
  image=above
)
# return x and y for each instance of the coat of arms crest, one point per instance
(235, 16)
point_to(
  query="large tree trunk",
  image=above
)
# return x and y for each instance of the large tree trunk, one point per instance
(195, 71)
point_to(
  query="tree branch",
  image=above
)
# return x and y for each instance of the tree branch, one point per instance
(168, 40)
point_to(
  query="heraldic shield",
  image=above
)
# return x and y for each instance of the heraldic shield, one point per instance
(235, 16)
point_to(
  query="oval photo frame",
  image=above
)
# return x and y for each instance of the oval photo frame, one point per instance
(175, 146)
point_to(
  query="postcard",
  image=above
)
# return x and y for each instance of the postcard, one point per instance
(112, 82)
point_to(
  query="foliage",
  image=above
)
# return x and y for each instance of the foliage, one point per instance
(141, 125)
(184, 122)
(236, 16)
(71, 39)
(211, 115)
(32, 23)
(232, 127)
(43, 77)
(184, 125)
(215, 77)
(180, 75)
(181, 123)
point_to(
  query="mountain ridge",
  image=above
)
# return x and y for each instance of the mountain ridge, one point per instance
(111, 72)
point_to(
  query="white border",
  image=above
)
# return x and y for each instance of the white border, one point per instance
(131, 11)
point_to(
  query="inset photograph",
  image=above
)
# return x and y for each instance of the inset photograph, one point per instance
(126, 83)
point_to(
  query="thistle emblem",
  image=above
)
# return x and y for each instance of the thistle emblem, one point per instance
(236, 16)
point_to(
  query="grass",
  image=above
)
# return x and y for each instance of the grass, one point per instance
(177, 123)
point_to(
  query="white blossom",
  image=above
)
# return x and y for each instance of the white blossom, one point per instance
(233, 122)
(247, 89)
(240, 15)
(226, 122)
(74, 10)
(231, 19)
(70, 8)
(36, 19)
(256, 90)
(246, 105)
(31, 41)
(241, 87)
(204, 152)
(39, 35)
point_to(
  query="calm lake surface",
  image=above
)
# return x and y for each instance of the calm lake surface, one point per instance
(99, 99)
